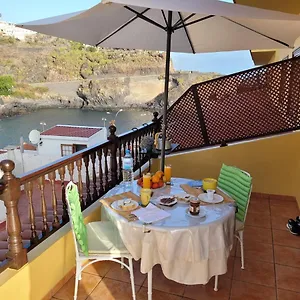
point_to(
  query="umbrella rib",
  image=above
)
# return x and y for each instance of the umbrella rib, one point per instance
(193, 22)
(187, 33)
(163, 13)
(141, 16)
(184, 20)
(262, 34)
(120, 28)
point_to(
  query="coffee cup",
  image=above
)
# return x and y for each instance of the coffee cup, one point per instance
(210, 195)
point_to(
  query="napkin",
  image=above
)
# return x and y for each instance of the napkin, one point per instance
(195, 183)
(151, 214)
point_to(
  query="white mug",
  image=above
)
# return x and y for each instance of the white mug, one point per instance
(210, 195)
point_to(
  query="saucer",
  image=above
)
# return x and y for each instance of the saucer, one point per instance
(217, 198)
(117, 205)
(201, 214)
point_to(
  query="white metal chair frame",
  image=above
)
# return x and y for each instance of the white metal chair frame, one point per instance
(240, 235)
(81, 258)
(240, 232)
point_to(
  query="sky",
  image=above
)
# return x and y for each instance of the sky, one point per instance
(20, 11)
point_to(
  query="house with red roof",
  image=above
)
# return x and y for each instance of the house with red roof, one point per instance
(63, 140)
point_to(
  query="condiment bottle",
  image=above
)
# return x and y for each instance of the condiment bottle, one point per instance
(194, 207)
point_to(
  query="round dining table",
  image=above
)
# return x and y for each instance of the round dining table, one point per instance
(189, 249)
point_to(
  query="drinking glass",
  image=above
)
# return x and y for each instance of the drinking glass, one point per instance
(145, 196)
(168, 173)
(147, 181)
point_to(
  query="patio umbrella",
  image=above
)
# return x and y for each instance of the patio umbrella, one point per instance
(189, 26)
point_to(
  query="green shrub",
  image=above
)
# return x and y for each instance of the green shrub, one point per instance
(41, 89)
(6, 85)
(24, 94)
(91, 49)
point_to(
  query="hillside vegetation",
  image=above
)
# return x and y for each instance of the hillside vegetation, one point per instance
(42, 58)
(70, 74)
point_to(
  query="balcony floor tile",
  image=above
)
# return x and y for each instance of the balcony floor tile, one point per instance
(110, 289)
(87, 284)
(271, 257)
(249, 291)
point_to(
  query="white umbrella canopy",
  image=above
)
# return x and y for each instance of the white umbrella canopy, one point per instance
(210, 26)
(189, 26)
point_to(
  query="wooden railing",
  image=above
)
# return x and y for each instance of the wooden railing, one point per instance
(96, 170)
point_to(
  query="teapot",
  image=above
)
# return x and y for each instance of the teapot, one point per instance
(158, 142)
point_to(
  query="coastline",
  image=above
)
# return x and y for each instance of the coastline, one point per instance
(12, 107)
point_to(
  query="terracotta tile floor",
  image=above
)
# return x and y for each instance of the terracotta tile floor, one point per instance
(272, 266)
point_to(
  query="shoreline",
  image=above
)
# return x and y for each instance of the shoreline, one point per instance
(13, 107)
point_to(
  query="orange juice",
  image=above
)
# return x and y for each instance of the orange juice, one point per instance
(168, 173)
(147, 181)
(145, 196)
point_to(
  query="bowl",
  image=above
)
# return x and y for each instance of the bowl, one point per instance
(209, 184)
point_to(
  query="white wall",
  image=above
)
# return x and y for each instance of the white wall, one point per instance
(52, 144)
(11, 30)
(99, 137)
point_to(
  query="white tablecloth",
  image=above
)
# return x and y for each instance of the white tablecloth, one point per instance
(189, 250)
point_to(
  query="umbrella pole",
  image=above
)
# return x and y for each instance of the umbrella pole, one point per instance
(166, 90)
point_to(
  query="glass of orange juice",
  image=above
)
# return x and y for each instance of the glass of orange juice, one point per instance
(168, 173)
(145, 196)
(147, 181)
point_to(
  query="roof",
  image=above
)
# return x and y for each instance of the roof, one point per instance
(71, 131)
(27, 146)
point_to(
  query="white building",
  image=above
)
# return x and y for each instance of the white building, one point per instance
(54, 143)
(9, 29)
(62, 140)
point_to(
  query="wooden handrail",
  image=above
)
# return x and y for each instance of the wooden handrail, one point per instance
(11, 195)
(97, 169)
(44, 170)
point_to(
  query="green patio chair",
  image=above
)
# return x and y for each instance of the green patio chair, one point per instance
(238, 185)
(95, 241)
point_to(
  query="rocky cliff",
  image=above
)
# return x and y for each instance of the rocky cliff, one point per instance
(52, 72)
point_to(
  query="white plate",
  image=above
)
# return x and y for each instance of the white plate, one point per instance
(202, 214)
(215, 200)
(184, 197)
(169, 204)
(116, 205)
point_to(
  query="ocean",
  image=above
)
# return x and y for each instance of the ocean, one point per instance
(11, 129)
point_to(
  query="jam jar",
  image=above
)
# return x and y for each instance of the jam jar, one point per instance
(194, 206)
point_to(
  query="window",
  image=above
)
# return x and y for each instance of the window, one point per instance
(296, 52)
(66, 149)
(79, 147)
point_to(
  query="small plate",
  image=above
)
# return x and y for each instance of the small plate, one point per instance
(166, 204)
(202, 214)
(216, 199)
(116, 205)
(184, 197)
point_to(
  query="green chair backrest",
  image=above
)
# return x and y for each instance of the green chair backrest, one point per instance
(238, 184)
(76, 218)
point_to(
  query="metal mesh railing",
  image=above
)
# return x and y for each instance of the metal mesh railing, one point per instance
(253, 103)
